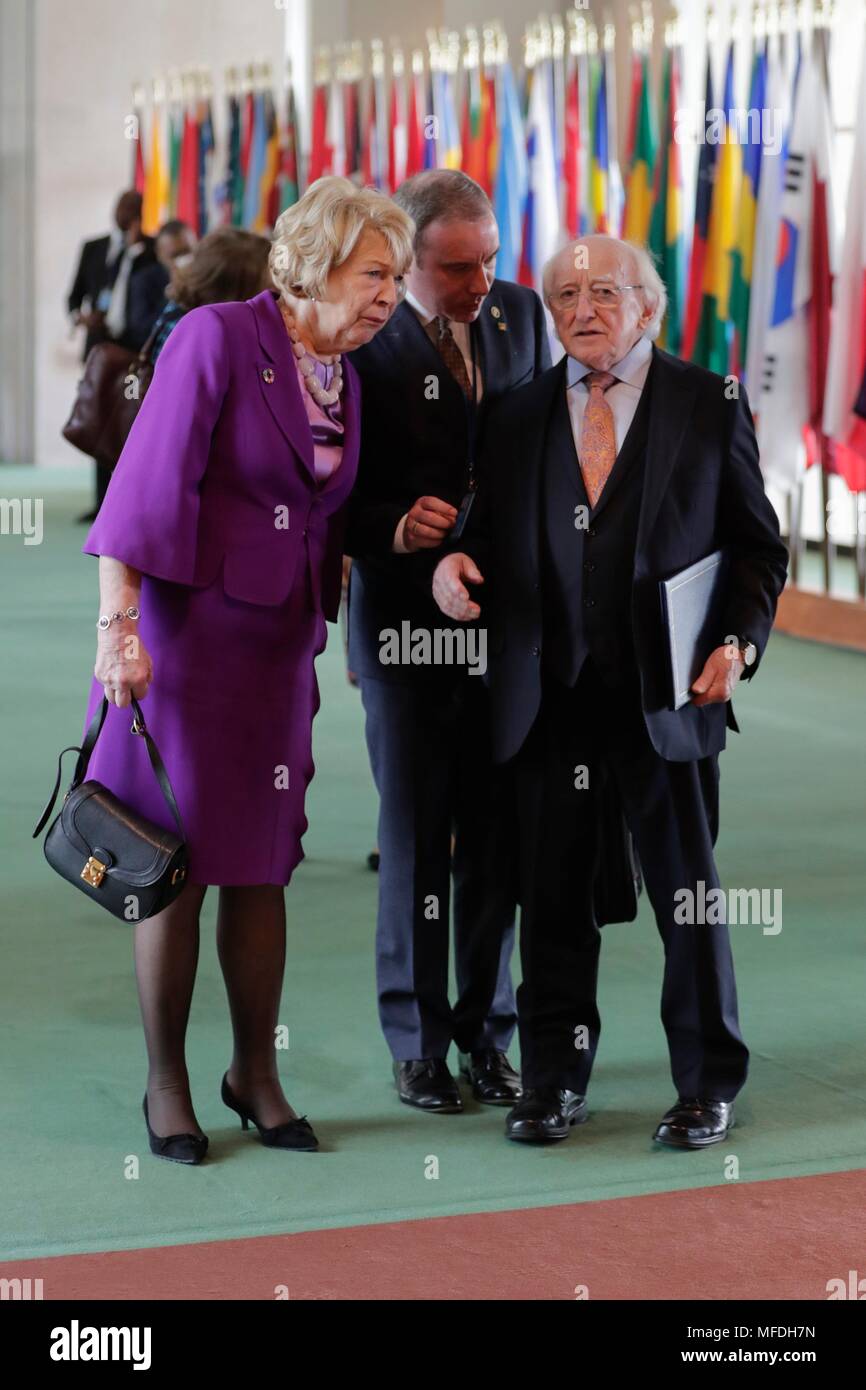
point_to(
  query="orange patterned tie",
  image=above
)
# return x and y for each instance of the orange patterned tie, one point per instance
(597, 436)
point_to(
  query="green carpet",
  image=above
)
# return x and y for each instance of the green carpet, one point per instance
(73, 1054)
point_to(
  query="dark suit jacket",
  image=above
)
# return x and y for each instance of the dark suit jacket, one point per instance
(702, 490)
(414, 445)
(90, 278)
(146, 293)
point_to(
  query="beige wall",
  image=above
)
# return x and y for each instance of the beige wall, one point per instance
(88, 54)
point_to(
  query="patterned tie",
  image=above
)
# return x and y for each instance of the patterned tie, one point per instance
(597, 436)
(453, 357)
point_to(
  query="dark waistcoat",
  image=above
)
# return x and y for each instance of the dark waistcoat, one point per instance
(587, 568)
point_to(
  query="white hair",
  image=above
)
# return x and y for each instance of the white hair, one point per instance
(321, 231)
(655, 296)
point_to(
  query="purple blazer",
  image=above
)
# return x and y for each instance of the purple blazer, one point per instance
(221, 453)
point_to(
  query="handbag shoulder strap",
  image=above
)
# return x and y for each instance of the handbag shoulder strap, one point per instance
(84, 752)
(139, 727)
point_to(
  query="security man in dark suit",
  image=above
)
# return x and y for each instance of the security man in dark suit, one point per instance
(620, 466)
(460, 340)
(118, 293)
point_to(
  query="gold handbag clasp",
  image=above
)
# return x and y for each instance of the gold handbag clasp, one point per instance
(94, 872)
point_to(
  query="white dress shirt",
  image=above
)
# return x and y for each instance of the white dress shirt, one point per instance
(622, 397)
(460, 332)
(115, 318)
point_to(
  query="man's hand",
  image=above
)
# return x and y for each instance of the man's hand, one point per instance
(716, 682)
(452, 575)
(428, 522)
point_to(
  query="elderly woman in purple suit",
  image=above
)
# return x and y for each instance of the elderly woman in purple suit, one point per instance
(220, 545)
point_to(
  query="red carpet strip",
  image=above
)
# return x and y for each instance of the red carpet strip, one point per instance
(781, 1239)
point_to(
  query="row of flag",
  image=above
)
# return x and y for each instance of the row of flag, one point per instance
(179, 178)
(753, 295)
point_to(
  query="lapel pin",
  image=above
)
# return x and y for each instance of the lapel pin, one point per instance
(503, 327)
(268, 375)
(494, 311)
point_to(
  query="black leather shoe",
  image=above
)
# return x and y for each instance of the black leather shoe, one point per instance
(494, 1080)
(428, 1085)
(692, 1124)
(179, 1148)
(545, 1113)
(291, 1134)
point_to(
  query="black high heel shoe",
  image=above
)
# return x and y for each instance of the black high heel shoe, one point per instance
(180, 1148)
(292, 1134)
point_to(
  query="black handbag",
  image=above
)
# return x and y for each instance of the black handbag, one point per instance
(121, 860)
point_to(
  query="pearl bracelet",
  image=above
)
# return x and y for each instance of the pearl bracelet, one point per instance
(105, 621)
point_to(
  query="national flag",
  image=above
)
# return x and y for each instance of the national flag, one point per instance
(667, 240)
(572, 152)
(541, 229)
(779, 94)
(155, 199)
(615, 192)
(269, 185)
(450, 154)
(845, 394)
(713, 346)
(368, 138)
(635, 87)
(320, 155)
(139, 173)
(703, 204)
(335, 138)
(289, 181)
(206, 144)
(639, 191)
(790, 391)
(512, 176)
(584, 99)
(751, 140)
(397, 128)
(415, 135)
(352, 123)
(256, 167)
(371, 166)
(187, 188)
(489, 130)
(234, 189)
(600, 211)
(432, 141)
(176, 119)
(471, 129)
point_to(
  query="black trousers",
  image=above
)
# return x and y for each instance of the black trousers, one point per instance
(429, 745)
(672, 809)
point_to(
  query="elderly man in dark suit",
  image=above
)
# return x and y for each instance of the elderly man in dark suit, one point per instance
(620, 466)
(459, 341)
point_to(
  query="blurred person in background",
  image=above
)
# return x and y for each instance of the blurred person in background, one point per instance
(228, 264)
(117, 294)
(175, 243)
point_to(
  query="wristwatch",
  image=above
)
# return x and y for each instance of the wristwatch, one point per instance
(748, 651)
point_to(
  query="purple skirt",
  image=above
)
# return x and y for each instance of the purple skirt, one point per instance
(231, 708)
